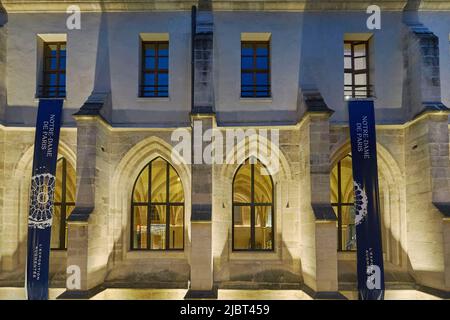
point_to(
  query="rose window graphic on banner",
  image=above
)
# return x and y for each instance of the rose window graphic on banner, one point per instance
(42, 198)
(360, 203)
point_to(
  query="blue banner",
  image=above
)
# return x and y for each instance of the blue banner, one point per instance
(42, 197)
(367, 203)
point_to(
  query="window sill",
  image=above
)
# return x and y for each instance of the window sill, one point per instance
(152, 99)
(255, 99)
(58, 253)
(162, 254)
(254, 255)
(36, 98)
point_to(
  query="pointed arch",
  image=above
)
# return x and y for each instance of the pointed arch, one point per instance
(253, 212)
(157, 208)
(391, 181)
(123, 181)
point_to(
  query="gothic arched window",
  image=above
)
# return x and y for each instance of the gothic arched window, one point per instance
(157, 208)
(64, 203)
(253, 208)
(342, 201)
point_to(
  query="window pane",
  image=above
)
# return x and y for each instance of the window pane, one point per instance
(348, 228)
(62, 63)
(262, 79)
(58, 184)
(348, 79)
(246, 79)
(263, 227)
(140, 227)
(140, 193)
(347, 63)
(176, 227)
(263, 92)
(246, 49)
(71, 183)
(346, 179)
(56, 224)
(50, 64)
(51, 79)
(175, 187)
(360, 64)
(149, 50)
(163, 80)
(247, 63)
(149, 79)
(263, 184)
(150, 63)
(69, 210)
(359, 50)
(241, 227)
(360, 79)
(52, 49)
(242, 184)
(163, 63)
(262, 63)
(163, 49)
(62, 80)
(347, 49)
(158, 227)
(262, 49)
(159, 180)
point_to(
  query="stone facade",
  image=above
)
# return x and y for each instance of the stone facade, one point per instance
(109, 136)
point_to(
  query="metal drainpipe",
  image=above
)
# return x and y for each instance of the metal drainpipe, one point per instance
(193, 31)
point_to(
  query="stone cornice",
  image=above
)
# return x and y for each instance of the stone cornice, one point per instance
(16, 6)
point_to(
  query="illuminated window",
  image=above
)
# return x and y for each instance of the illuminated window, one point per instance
(255, 69)
(54, 78)
(64, 203)
(342, 201)
(157, 208)
(253, 208)
(155, 69)
(356, 69)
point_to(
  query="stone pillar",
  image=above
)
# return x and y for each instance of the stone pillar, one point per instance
(427, 162)
(201, 257)
(427, 196)
(422, 88)
(322, 256)
(203, 118)
(86, 246)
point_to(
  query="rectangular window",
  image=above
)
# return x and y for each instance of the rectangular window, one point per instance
(54, 67)
(255, 69)
(155, 69)
(356, 69)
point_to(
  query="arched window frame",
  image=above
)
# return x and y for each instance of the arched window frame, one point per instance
(150, 203)
(252, 204)
(63, 204)
(340, 204)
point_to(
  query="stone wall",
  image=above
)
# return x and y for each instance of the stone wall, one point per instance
(16, 162)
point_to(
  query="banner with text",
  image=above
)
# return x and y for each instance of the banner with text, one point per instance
(43, 182)
(367, 204)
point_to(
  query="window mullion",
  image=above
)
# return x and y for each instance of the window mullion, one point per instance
(62, 226)
(167, 240)
(149, 206)
(252, 207)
